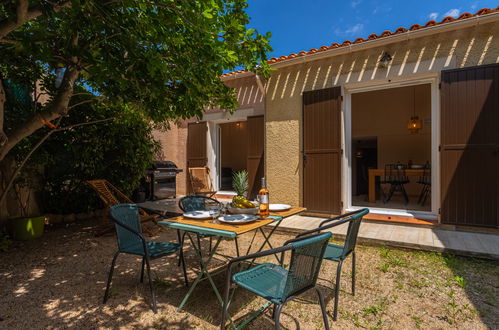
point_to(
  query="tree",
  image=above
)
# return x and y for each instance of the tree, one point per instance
(164, 55)
(160, 58)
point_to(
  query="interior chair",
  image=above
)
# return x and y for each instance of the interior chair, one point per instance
(131, 241)
(425, 181)
(396, 177)
(279, 284)
(338, 253)
(201, 203)
(201, 181)
(110, 195)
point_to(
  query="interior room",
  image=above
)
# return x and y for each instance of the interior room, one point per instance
(391, 148)
(233, 151)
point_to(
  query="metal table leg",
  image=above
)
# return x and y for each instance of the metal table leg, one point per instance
(203, 273)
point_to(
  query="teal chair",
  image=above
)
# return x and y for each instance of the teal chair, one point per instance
(338, 253)
(131, 241)
(276, 283)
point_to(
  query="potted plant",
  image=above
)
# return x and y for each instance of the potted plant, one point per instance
(25, 227)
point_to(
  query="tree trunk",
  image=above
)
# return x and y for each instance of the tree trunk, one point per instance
(58, 107)
(3, 98)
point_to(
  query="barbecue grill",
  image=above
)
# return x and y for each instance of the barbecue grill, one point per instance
(163, 180)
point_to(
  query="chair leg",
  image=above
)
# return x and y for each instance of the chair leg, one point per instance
(113, 263)
(151, 287)
(181, 242)
(225, 305)
(237, 246)
(323, 308)
(337, 290)
(421, 194)
(390, 193)
(405, 194)
(211, 242)
(277, 316)
(142, 269)
(182, 260)
(353, 273)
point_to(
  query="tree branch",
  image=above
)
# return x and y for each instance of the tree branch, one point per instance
(58, 108)
(25, 14)
(38, 144)
(82, 102)
(65, 128)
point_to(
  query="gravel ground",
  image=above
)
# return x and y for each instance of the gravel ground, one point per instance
(58, 282)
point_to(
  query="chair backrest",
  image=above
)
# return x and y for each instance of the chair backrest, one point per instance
(353, 219)
(395, 173)
(200, 178)
(305, 263)
(108, 193)
(198, 203)
(127, 215)
(353, 232)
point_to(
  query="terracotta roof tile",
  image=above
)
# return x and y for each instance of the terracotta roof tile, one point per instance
(374, 36)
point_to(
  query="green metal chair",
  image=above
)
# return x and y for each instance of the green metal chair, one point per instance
(201, 203)
(131, 241)
(276, 283)
(339, 253)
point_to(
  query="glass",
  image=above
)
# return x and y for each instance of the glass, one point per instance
(214, 215)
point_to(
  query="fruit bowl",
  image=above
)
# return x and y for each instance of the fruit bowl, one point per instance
(236, 210)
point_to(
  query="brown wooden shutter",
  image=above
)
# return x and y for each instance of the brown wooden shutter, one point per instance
(470, 146)
(196, 147)
(322, 150)
(255, 158)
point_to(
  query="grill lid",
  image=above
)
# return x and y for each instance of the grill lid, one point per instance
(160, 165)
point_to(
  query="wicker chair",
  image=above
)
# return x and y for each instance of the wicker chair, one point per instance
(339, 253)
(201, 182)
(110, 195)
(131, 241)
(279, 284)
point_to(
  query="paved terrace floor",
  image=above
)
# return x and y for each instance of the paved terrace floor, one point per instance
(401, 235)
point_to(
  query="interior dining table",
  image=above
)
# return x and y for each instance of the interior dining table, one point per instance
(379, 172)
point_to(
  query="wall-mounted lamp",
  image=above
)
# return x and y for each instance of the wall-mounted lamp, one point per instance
(385, 59)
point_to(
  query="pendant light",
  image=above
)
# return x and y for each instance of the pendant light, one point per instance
(414, 124)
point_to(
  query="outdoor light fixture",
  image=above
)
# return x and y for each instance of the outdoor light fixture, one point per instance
(414, 124)
(385, 59)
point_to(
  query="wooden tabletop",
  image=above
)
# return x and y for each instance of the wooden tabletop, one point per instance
(212, 227)
(292, 211)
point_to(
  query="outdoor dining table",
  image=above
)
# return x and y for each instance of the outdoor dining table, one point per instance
(220, 231)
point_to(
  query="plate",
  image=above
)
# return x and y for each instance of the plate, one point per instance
(417, 167)
(197, 215)
(279, 207)
(238, 218)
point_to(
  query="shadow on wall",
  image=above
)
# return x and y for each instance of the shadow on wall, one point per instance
(469, 163)
(411, 58)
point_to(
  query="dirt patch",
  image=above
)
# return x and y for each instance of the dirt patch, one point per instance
(58, 281)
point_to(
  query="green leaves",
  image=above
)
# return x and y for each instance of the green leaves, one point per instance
(165, 55)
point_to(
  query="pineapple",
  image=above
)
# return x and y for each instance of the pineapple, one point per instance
(240, 185)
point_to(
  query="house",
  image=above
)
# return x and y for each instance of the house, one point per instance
(331, 123)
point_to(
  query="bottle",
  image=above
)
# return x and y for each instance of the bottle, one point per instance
(263, 198)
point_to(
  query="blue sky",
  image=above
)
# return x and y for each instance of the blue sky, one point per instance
(298, 25)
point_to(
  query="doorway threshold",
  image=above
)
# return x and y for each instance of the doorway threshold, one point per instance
(402, 217)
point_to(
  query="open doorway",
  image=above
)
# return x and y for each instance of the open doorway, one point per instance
(233, 152)
(391, 166)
